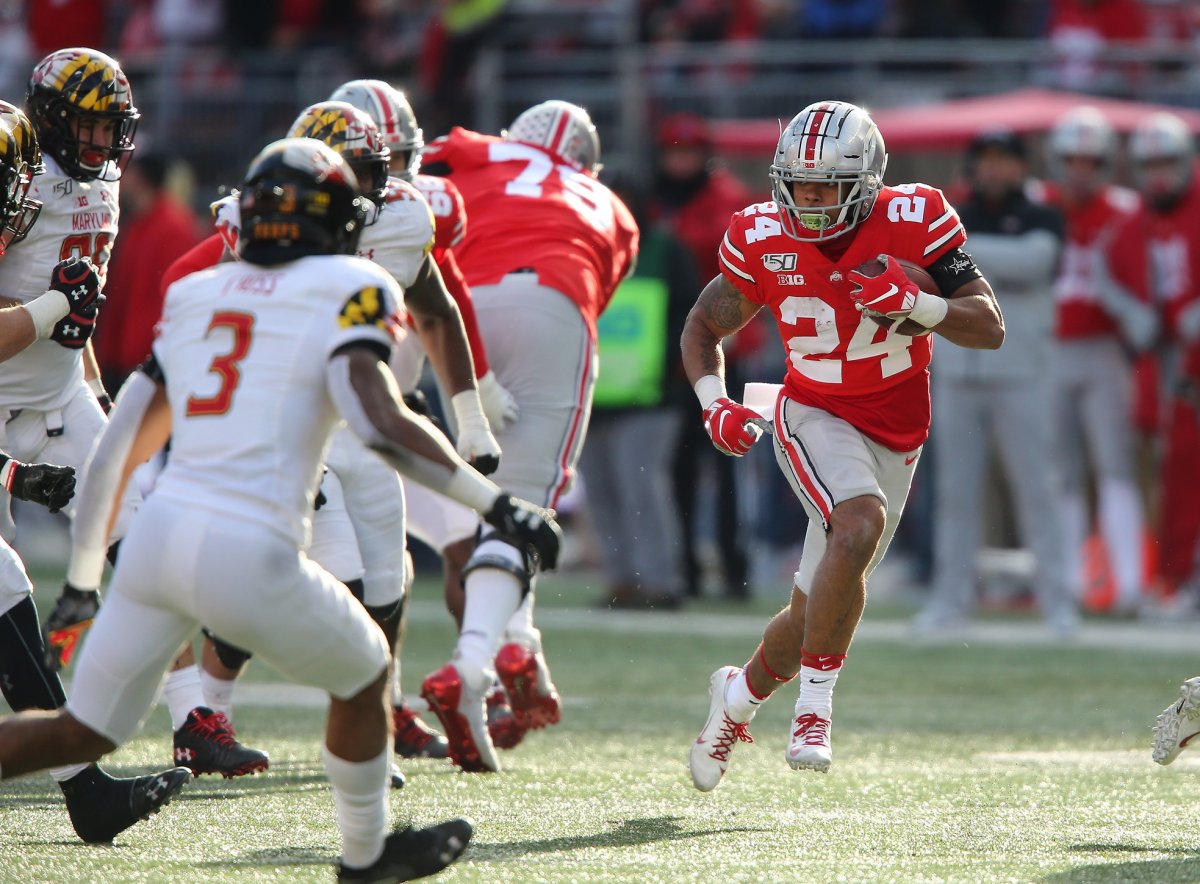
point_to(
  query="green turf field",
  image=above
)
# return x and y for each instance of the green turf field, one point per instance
(952, 763)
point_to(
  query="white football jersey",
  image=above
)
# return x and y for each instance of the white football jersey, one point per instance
(243, 351)
(78, 218)
(402, 233)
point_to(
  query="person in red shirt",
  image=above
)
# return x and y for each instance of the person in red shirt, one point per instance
(1095, 333)
(694, 195)
(546, 247)
(853, 412)
(155, 230)
(1160, 253)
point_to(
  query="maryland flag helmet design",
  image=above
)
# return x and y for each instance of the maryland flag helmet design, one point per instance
(352, 134)
(17, 210)
(82, 108)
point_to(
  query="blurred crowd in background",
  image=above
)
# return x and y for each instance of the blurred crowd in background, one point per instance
(667, 81)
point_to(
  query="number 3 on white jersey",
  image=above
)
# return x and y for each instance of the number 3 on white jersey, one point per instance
(892, 350)
(584, 194)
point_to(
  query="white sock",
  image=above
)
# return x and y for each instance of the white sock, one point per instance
(218, 693)
(520, 627)
(62, 774)
(1073, 512)
(397, 690)
(360, 793)
(1121, 525)
(492, 598)
(183, 692)
(740, 702)
(816, 690)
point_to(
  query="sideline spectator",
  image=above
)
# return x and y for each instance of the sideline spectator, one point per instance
(695, 196)
(997, 400)
(636, 419)
(1092, 367)
(155, 230)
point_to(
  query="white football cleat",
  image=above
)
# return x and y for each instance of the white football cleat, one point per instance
(809, 748)
(710, 753)
(1178, 723)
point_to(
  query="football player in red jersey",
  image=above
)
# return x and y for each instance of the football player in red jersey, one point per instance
(1097, 324)
(853, 412)
(546, 246)
(1160, 248)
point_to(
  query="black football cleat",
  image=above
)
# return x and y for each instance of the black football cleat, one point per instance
(101, 806)
(414, 738)
(206, 744)
(414, 853)
(397, 777)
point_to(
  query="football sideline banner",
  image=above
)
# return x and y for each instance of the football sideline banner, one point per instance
(633, 345)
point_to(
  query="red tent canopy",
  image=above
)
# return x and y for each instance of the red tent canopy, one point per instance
(950, 125)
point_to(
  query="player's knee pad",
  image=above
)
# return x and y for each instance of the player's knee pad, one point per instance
(494, 552)
(231, 657)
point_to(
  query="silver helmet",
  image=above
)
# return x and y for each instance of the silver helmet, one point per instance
(394, 116)
(1163, 136)
(1082, 132)
(562, 128)
(830, 142)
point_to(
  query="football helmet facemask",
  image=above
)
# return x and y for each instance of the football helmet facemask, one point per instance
(81, 105)
(353, 135)
(16, 213)
(562, 128)
(15, 227)
(299, 198)
(1165, 142)
(392, 113)
(829, 142)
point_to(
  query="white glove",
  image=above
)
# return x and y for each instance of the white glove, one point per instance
(498, 404)
(227, 218)
(476, 444)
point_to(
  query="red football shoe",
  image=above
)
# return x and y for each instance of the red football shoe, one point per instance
(463, 717)
(416, 739)
(526, 679)
(502, 724)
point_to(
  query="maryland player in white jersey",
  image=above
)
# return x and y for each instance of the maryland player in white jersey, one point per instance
(49, 328)
(255, 363)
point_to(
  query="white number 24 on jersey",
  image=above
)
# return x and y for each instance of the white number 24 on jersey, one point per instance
(892, 351)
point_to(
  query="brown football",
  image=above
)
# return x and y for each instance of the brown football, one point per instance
(915, 273)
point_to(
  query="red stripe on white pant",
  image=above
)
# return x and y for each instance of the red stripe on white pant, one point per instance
(800, 467)
(564, 459)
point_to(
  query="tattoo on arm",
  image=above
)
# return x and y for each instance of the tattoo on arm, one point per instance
(722, 304)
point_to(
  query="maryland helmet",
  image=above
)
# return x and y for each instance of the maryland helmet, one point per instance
(82, 108)
(562, 128)
(1162, 140)
(353, 134)
(16, 227)
(394, 116)
(17, 211)
(299, 198)
(830, 142)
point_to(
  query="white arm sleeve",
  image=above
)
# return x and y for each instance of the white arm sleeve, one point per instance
(462, 483)
(102, 475)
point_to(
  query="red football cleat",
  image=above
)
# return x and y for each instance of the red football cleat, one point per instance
(502, 724)
(526, 679)
(461, 712)
(416, 739)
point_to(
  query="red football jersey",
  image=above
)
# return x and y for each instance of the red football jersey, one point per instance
(529, 210)
(449, 213)
(449, 228)
(1091, 229)
(1157, 256)
(839, 360)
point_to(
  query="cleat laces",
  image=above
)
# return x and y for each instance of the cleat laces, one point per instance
(813, 728)
(214, 726)
(731, 732)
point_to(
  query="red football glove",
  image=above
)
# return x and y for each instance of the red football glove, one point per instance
(891, 293)
(730, 428)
